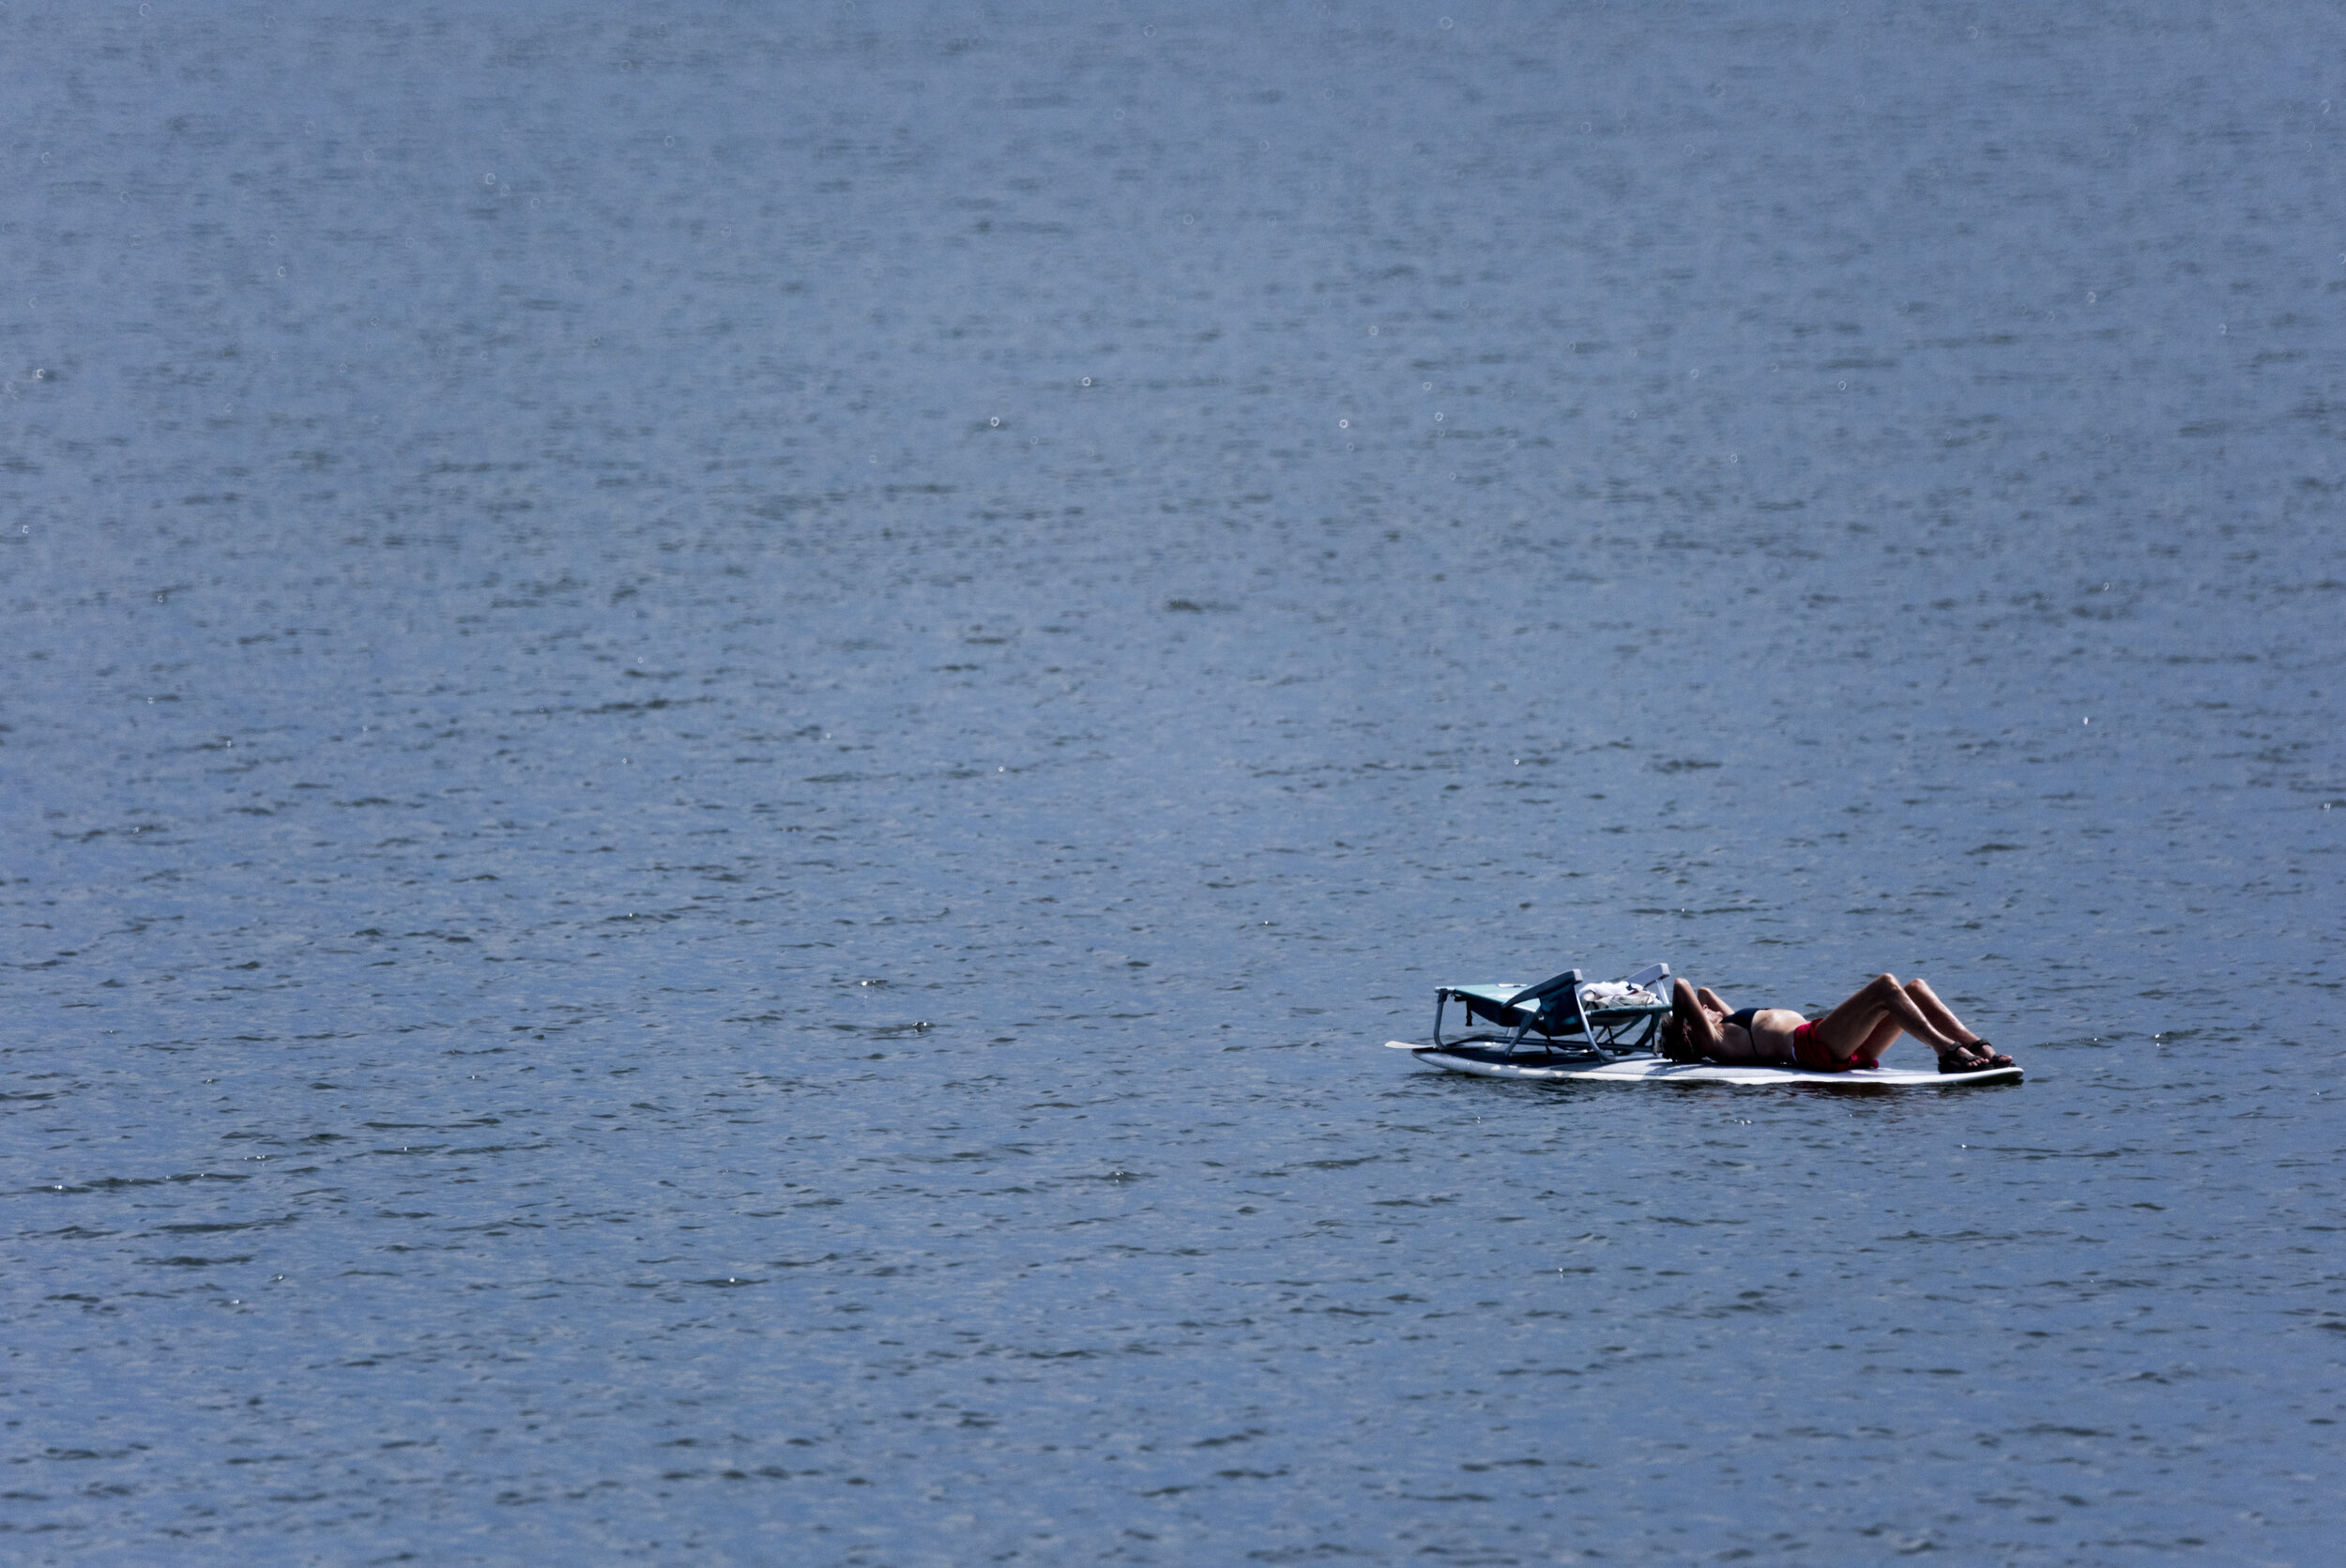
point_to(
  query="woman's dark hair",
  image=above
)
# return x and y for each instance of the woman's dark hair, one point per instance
(1673, 1035)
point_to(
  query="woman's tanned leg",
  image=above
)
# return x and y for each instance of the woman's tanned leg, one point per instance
(1920, 993)
(1886, 1034)
(1978, 1052)
(1850, 1025)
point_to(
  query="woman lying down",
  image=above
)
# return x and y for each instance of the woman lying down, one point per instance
(1853, 1035)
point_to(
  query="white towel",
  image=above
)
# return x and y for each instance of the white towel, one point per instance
(1617, 992)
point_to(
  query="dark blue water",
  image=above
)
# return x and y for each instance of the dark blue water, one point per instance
(728, 731)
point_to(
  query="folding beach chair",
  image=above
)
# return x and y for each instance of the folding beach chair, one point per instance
(1567, 1013)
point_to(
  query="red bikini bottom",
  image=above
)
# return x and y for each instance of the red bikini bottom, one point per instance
(1809, 1052)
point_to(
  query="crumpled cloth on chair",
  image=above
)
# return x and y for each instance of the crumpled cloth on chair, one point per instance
(1617, 992)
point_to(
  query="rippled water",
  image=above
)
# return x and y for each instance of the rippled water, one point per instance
(730, 729)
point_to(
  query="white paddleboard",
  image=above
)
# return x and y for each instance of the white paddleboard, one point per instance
(1493, 1062)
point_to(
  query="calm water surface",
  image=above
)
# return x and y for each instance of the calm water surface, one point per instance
(728, 730)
